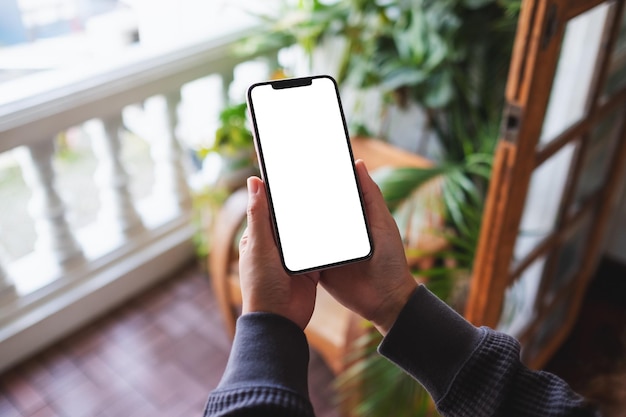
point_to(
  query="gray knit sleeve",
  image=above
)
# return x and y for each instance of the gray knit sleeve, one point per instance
(266, 372)
(472, 371)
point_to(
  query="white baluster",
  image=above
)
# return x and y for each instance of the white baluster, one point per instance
(227, 78)
(7, 288)
(117, 207)
(170, 178)
(5, 281)
(54, 236)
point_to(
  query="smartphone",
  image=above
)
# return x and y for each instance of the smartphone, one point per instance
(307, 165)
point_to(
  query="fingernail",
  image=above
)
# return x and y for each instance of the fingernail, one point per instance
(361, 165)
(253, 186)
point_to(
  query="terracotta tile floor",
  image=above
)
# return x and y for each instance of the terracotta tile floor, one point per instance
(157, 355)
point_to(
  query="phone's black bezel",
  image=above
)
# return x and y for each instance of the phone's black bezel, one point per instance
(295, 83)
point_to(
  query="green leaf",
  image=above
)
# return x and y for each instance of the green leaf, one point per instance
(397, 184)
(441, 90)
(476, 4)
(403, 77)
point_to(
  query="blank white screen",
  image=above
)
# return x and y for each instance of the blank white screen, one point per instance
(310, 175)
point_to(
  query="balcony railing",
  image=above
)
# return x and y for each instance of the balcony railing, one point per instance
(74, 275)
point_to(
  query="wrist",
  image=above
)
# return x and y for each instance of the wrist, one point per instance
(393, 305)
(260, 307)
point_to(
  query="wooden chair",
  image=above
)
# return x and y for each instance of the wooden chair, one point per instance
(333, 328)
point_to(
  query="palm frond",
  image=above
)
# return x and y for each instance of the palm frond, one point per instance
(397, 184)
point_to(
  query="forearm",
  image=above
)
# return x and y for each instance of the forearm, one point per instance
(471, 371)
(266, 370)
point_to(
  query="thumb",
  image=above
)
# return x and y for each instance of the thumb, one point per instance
(375, 205)
(259, 225)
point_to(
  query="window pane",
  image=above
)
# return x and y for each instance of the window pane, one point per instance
(574, 74)
(616, 77)
(519, 300)
(570, 257)
(597, 159)
(549, 327)
(543, 201)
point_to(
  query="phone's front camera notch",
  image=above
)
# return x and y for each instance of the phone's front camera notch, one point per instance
(290, 83)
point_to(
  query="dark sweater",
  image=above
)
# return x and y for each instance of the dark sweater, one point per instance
(468, 371)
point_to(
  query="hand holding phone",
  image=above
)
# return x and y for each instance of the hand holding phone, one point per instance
(265, 285)
(307, 165)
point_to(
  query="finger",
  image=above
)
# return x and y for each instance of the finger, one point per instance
(243, 242)
(375, 205)
(259, 227)
(368, 186)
